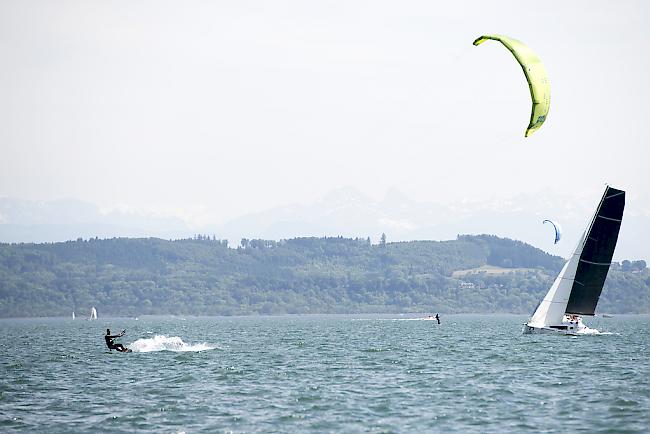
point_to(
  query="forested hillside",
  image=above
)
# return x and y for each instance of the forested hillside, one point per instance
(203, 276)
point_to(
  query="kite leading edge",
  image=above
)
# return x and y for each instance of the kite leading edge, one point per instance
(535, 72)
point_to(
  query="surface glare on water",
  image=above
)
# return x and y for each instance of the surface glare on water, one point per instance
(323, 374)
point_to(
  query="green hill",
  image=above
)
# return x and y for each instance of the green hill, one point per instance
(203, 276)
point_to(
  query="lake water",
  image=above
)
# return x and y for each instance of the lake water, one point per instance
(323, 374)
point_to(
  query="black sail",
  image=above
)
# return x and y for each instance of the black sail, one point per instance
(597, 253)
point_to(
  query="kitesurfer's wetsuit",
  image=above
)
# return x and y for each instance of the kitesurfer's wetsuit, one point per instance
(112, 345)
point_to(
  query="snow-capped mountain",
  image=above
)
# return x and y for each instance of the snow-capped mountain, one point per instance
(346, 212)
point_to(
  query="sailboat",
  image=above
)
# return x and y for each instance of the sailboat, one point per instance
(577, 288)
(73, 317)
(93, 313)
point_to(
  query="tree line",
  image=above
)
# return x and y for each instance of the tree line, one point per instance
(204, 276)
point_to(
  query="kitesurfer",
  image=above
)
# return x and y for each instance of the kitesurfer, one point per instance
(111, 344)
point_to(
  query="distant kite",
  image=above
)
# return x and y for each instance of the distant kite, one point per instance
(540, 88)
(558, 230)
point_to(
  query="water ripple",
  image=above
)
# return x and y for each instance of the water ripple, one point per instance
(323, 374)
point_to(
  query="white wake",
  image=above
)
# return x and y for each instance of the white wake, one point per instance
(164, 343)
(593, 332)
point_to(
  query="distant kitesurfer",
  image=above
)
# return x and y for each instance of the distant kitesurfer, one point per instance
(111, 344)
(438, 318)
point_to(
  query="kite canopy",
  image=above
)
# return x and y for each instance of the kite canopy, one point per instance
(558, 230)
(540, 88)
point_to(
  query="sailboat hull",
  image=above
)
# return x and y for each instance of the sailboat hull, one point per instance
(571, 328)
(530, 330)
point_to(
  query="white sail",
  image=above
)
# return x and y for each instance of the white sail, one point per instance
(553, 306)
(73, 314)
(93, 313)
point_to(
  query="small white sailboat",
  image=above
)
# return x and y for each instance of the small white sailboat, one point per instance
(577, 288)
(93, 313)
(73, 317)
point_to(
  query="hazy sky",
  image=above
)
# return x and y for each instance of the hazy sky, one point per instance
(212, 109)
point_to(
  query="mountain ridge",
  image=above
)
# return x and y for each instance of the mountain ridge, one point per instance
(345, 211)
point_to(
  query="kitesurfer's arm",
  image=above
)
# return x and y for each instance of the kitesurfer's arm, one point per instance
(116, 336)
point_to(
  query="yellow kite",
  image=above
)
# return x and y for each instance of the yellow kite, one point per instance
(540, 88)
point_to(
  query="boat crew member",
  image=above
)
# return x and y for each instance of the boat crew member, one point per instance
(110, 341)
